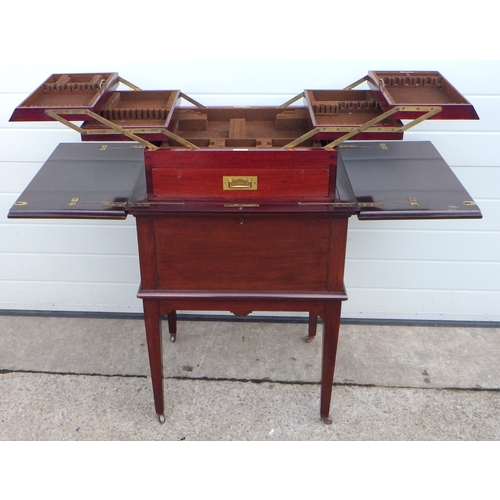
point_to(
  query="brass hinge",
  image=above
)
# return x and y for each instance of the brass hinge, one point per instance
(329, 203)
(370, 205)
(75, 201)
(153, 203)
(240, 205)
(364, 146)
(114, 203)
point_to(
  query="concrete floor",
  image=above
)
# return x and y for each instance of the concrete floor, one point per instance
(64, 378)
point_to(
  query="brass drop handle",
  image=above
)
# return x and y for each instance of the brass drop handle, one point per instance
(240, 183)
(229, 182)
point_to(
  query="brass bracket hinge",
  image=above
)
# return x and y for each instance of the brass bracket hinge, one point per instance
(113, 128)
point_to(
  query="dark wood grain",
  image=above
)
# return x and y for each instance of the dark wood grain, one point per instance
(82, 91)
(420, 88)
(304, 174)
(243, 263)
(405, 180)
(242, 253)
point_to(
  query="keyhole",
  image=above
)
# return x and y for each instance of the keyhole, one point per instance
(241, 221)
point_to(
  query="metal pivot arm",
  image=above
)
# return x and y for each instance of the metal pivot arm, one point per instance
(363, 128)
(431, 111)
(308, 135)
(191, 100)
(181, 94)
(350, 131)
(370, 126)
(56, 115)
(178, 138)
(367, 127)
(292, 100)
(131, 133)
(356, 83)
(128, 84)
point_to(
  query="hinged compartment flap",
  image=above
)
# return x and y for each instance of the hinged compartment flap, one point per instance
(404, 180)
(68, 92)
(84, 181)
(408, 90)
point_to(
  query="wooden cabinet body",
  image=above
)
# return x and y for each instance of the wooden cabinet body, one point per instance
(243, 252)
(242, 263)
(237, 176)
(244, 255)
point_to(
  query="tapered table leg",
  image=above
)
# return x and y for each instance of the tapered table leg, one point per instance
(152, 321)
(330, 341)
(172, 325)
(313, 325)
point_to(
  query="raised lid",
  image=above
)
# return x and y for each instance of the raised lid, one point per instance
(404, 180)
(82, 91)
(144, 112)
(420, 88)
(89, 181)
(345, 110)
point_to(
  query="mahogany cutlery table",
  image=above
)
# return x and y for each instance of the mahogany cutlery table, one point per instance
(243, 257)
(244, 209)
